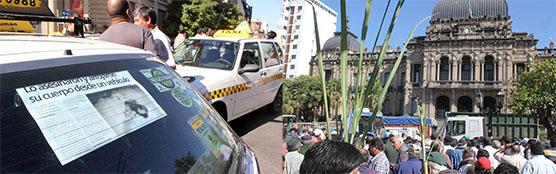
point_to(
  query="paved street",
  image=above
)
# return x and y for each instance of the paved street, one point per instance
(263, 132)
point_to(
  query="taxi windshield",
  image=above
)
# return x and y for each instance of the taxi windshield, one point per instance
(207, 54)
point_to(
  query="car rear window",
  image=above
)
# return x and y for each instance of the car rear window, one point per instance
(131, 116)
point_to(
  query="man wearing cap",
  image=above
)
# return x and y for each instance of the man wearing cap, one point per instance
(319, 134)
(308, 142)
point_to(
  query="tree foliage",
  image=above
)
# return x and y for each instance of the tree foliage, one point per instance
(209, 13)
(173, 20)
(536, 94)
(303, 97)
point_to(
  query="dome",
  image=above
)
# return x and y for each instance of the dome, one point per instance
(333, 43)
(457, 9)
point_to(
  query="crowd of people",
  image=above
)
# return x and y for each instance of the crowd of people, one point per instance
(309, 151)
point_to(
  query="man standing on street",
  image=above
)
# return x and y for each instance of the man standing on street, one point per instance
(122, 31)
(293, 158)
(515, 159)
(379, 161)
(538, 164)
(146, 17)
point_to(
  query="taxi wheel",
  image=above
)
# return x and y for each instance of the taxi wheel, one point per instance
(276, 105)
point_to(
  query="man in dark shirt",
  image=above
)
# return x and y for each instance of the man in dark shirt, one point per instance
(122, 31)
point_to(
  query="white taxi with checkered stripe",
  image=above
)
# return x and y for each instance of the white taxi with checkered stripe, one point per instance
(237, 75)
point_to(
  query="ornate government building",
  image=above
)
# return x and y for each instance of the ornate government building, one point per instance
(469, 47)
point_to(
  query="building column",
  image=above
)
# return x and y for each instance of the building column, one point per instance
(453, 71)
(476, 69)
(459, 70)
(407, 103)
(408, 74)
(509, 69)
(482, 70)
(499, 70)
(425, 71)
(437, 70)
(453, 101)
(433, 71)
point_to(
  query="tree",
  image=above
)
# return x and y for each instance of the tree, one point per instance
(303, 97)
(209, 13)
(536, 94)
(173, 20)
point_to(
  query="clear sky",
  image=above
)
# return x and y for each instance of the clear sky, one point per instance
(537, 17)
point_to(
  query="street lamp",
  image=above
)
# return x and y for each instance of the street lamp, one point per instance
(499, 101)
(479, 100)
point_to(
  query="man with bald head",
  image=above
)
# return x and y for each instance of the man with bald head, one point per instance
(122, 31)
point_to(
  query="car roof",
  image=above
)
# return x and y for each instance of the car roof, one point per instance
(25, 52)
(230, 39)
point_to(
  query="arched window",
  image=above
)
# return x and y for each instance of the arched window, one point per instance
(489, 68)
(466, 68)
(442, 106)
(444, 68)
(465, 104)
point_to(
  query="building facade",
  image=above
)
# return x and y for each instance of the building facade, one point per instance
(296, 32)
(469, 47)
(393, 104)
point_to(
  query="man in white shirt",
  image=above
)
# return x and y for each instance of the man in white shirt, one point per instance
(491, 151)
(146, 17)
(515, 159)
(538, 164)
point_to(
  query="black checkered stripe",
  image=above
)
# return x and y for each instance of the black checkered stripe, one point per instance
(271, 78)
(219, 93)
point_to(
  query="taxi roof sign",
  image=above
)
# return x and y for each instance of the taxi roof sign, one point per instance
(16, 26)
(233, 33)
(29, 7)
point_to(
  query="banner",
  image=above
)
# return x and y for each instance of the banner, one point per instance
(77, 116)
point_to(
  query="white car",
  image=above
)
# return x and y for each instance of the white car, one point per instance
(73, 105)
(237, 75)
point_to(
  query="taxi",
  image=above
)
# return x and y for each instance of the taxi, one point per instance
(236, 74)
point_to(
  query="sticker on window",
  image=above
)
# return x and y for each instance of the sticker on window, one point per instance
(161, 78)
(180, 94)
(207, 134)
(78, 116)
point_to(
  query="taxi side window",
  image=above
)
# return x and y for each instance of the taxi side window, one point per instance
(250, 55)
(270, 54)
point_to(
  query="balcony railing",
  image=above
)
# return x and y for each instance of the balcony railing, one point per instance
(464, 84)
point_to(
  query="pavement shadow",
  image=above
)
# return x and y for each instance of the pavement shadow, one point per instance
(253, 120)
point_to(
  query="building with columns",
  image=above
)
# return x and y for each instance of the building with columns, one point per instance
(469, 47)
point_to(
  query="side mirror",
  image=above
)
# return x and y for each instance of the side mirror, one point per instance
(249, 68)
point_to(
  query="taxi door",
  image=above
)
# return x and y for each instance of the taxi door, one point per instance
(248, 100)
(273, 71)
